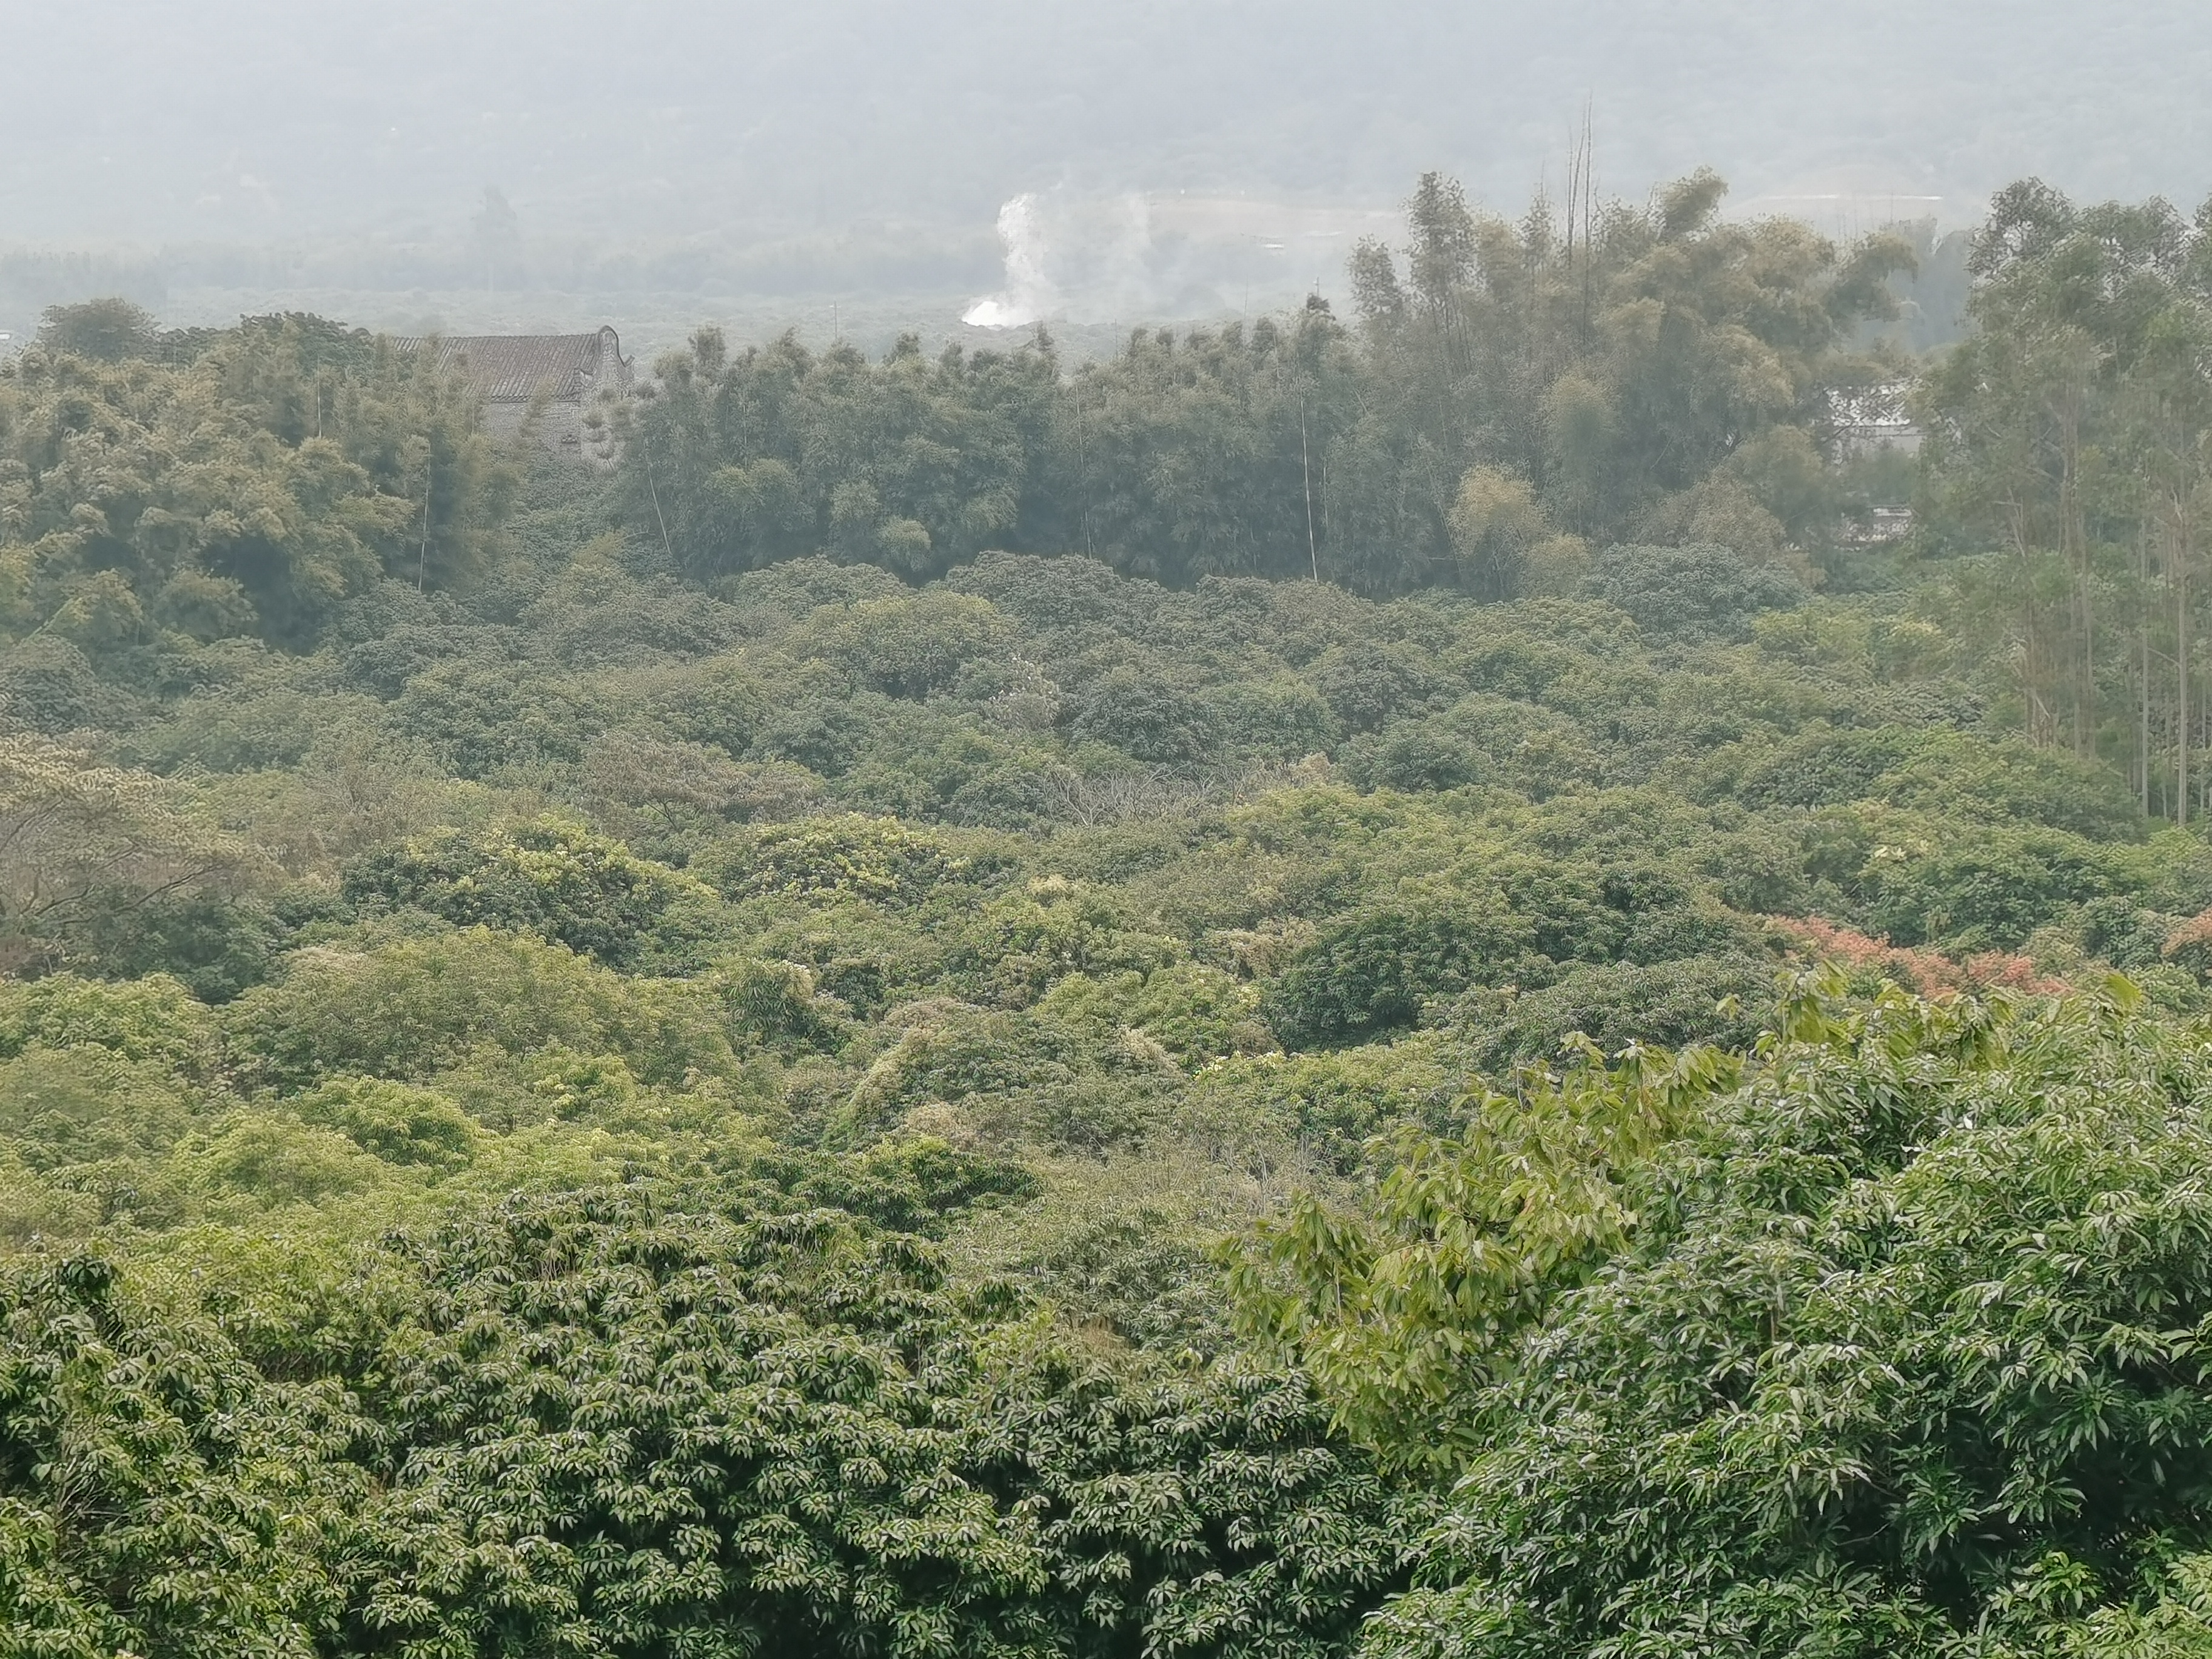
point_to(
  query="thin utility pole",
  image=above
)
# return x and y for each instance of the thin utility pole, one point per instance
(654, 488)
(423, 559)
(1305, 462)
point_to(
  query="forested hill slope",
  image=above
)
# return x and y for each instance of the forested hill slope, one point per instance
(572, 1081)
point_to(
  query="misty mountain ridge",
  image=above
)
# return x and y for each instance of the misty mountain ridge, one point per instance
(255, 122)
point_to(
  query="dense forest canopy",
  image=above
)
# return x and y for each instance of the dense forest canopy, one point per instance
(1596, 367)
(1389, 983)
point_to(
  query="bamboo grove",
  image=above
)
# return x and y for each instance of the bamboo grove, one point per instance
(2072, 435)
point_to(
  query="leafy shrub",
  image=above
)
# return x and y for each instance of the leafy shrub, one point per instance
(1050, 594)
(1973, 1234)
(185, 1451)
(1414, 758)
(1374, 970)
(913, 645)
(1822, 767)
(1614, 1004)
(398, 1123)
(154, 1018)
(88, 1105)
(1018, 946)
(913, 1184)
(792, 1410)
(1194, 1012)
(871, 858)
(1325, 1108)
(387, 661)
(485, 718)
(1146, 716)
(215, 945)
(274, 1161)
(1692, 592)
(1366, 685)
(47, 685)
(1278, 718)
(1027, 1074)
(719, 702)
(408, 1011)
(777, 1003)
(1989, 890)
(2011, 781)
(549, 877)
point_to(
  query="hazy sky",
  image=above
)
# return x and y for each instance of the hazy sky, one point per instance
(275, 120)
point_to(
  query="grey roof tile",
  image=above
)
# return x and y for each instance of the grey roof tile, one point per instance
(512, 368)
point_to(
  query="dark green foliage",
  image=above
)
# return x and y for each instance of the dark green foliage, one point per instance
(1693, 592)
(1374, 970)
(1379, 968)
(486, 716)
(1366, 685)
(1822, 767)
(1414, 758)
(1709, 999)
(1986, 890)
(216, 946)
(1145, 715)
(47, 685)
(556, 880)
(596, 1421)
(2124, 933)
(244, 488)
(107, 330)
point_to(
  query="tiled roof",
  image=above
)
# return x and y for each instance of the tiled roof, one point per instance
(512, 368)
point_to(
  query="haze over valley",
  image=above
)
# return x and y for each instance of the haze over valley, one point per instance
(848, 165)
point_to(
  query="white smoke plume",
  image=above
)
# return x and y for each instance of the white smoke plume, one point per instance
(1072, 257)
(1029, 296)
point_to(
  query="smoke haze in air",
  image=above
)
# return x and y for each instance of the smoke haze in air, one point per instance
(143, 118)
(1036, 157)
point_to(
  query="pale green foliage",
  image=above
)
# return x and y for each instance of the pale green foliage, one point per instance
(1884, 1342)
(1400, 1311)
(71, 829)
(411, 1009)
(398, 1123)
(1196, 1013)
(153, 1018)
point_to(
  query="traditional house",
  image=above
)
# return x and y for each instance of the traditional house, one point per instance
(1872, 419)
(570, 379)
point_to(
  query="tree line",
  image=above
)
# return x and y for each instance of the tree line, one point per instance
(1509, 395)
(2068, 438)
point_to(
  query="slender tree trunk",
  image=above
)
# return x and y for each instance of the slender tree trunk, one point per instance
(1305, 464)
(2142, 681)
(2181, 686)
(2073, 545)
